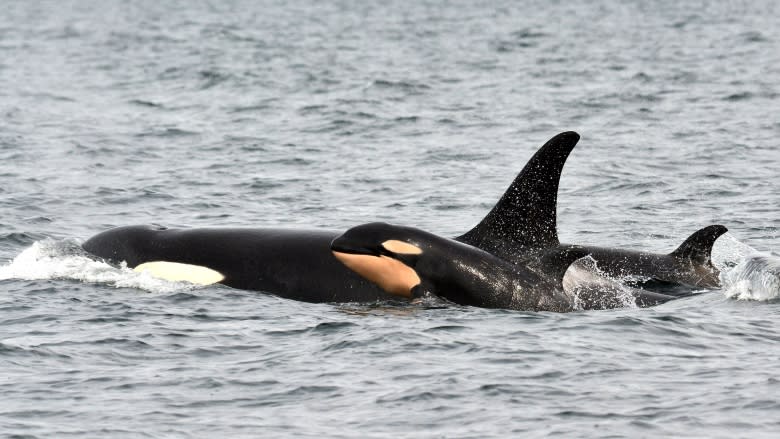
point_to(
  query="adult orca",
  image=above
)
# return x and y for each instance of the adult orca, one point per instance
(523, 225)
(410, 262)
(294, 264)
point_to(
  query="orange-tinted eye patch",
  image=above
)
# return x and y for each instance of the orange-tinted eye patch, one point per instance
(400, 247)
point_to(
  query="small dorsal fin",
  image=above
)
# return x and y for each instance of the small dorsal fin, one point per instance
(526, 213)
(698, 246)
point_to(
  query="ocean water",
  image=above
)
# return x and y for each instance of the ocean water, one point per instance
(331, 114)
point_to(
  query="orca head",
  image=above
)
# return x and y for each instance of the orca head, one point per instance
(410, 262)
(383, 254)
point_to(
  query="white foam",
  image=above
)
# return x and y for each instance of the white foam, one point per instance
(50, 259)
(756, 277)
(746, 274)
(728, 251)
(584, 277)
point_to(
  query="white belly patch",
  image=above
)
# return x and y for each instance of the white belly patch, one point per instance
(177, 272)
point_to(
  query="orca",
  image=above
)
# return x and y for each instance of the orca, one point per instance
(294, 264)
(298, 264)
(410, 262)
(523, 225)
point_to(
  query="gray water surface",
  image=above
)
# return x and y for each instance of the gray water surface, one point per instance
(332, 114)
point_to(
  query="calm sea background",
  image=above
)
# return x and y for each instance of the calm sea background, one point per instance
(332, 114)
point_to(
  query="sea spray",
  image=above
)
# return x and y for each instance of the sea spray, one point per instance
(65, 259)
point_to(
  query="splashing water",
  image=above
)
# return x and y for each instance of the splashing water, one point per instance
(745, 273)
(756, 277)
(65, 259)
(592, 288)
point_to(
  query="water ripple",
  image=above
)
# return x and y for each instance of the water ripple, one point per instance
(329, 114)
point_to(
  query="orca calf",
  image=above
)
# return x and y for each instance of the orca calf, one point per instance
(523, 225)
(410, 262)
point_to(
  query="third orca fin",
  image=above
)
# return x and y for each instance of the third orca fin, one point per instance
(698, 246)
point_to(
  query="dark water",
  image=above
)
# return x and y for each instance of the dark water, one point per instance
(314, 114)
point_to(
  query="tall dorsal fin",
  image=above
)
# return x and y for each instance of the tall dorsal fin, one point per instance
(526, 214)
(698, 246)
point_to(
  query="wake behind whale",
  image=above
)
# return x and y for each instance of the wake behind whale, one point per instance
(757, 277)
(746, 273)
(65, 260)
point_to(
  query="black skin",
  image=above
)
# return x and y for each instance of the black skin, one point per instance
(295, 264)
(464, 274)
(291, 264)
(523, 225)
(298, 264)
(672, 267)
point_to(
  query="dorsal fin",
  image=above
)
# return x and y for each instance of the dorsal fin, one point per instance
(526, 213)
(698, 246)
